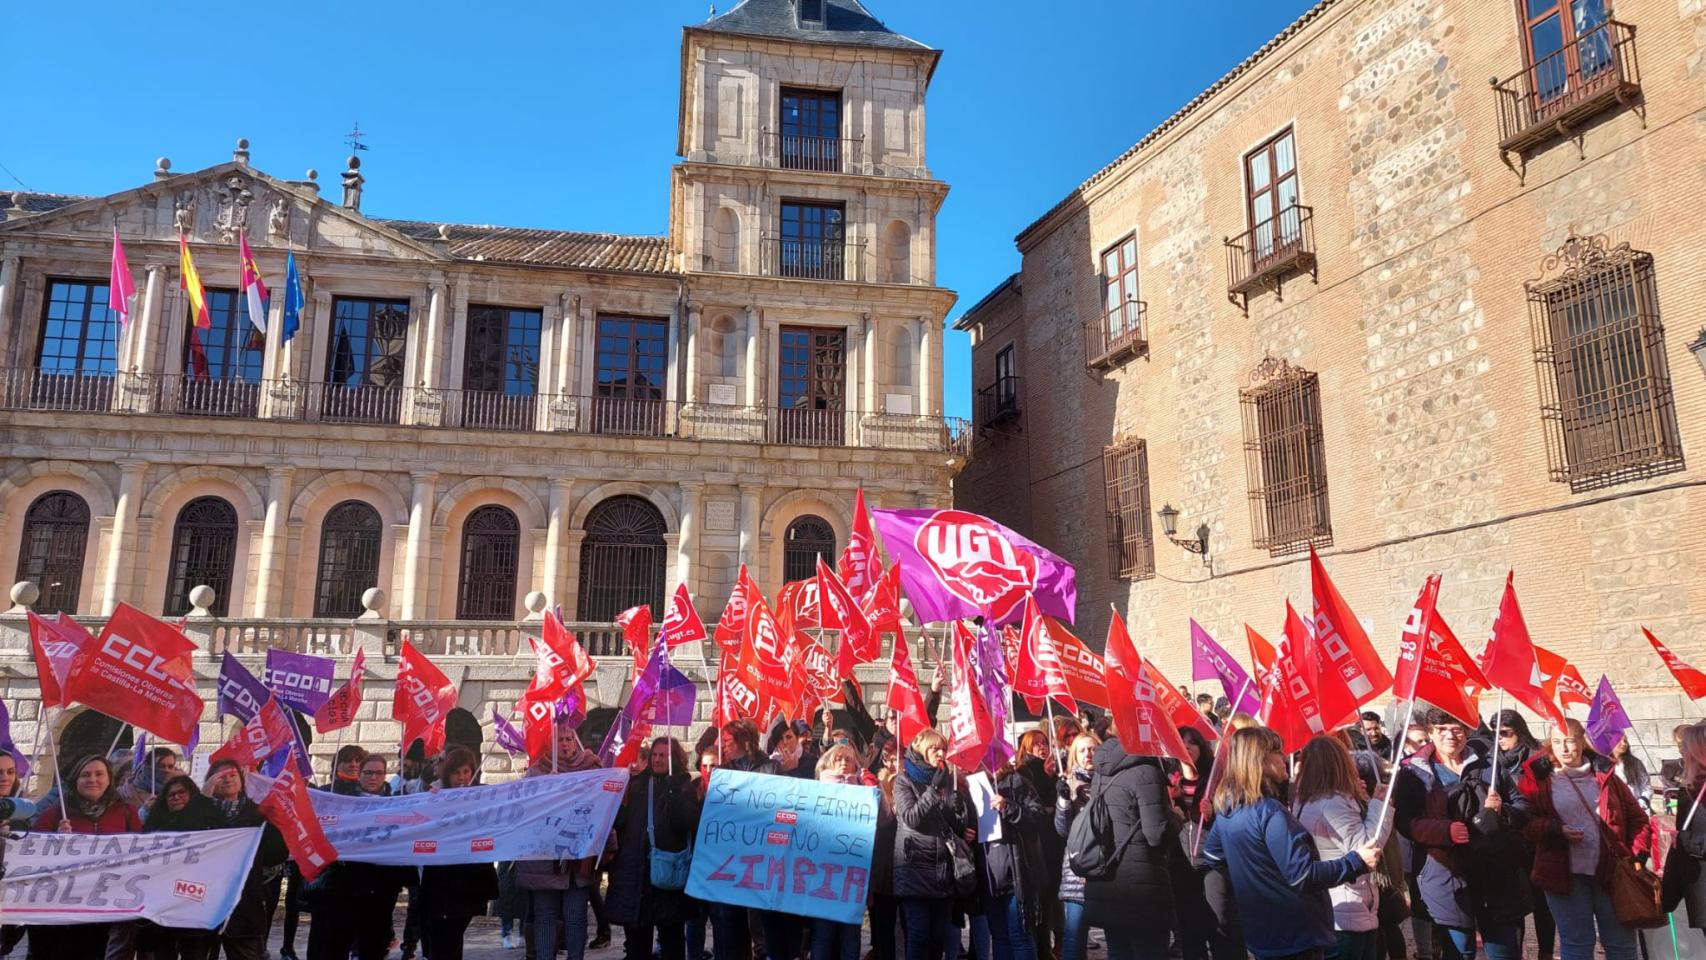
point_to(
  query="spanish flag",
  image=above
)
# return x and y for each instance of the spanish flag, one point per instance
(191, 282)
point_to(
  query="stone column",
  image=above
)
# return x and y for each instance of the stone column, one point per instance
(569, 327)
(751, 498)
(418, 554)
(269, 592)
(432, 343)
(124, 517)
(929, 357)
(687, 549)
(673, 355)
(754, 360)
(8, 292)
(695, 316)
(556, 522)
(148, 323)
(870, 358)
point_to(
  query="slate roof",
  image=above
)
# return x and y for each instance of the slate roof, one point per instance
(36, 202)
(555, 248)
(844, 21)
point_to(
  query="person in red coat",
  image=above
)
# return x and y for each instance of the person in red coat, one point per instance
(1569, 793)
(91, 806)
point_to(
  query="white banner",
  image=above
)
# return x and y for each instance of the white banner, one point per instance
(563, 816)
(174, 879)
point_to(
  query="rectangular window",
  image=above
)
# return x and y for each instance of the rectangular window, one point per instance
(1131, 543)
(811, 385)
(1270, 175)
(1118, 331)
(1604, 380)
(500, 372)
(632, 370)
(364, 369)
(1566, 45)
(222, 364)
(1285, 460)
(814, 241)
(76, 355)
(811, 129)
(811, 13)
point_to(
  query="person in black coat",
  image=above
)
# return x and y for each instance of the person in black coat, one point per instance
(660, 807)
(179, 808)
(928, 813)
(1018, 866)
(1135, 905)
(1516, 747)
(452, 895)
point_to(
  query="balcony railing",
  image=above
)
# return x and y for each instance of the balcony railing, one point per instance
(1263, 256)
(814, 259)
(791, 151)
(1117, 335)
(998, 402)
(182, 395)
(1557, 93)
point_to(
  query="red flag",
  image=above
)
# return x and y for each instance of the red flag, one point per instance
(538, 723)
(265, 733)
(1432, 664)
(55, 645)
(1560, 681)
(731, 626)
(1082, 667)
(1262, 660)
(1139, 720)
(139, 672)
(763, 639)
(882, 606)
(339, 709)
(681, 623)
(1291, 708)
(1180, 711)
(860, 566)
(859, 641)
(1692, 680)
(636, 624)
(1508, 661)
(560, 663)
(969, 725)
(905, 700)
(1038, 673)
(1343, 648)
(1572, 689)
(287, 807)
(424, 698)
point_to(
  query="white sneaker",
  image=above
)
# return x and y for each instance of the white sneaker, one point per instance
(508, 943)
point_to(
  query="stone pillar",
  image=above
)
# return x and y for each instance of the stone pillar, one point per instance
(870, 358)
(124, 518)
(269, 587)
(8, 292)
(695, 316)
(754, 361)
(418, 557)
(556, 522)
(432, 343)
(569, 327)
(673, 362)
(751, 497)
(687, 549)
(929, 357)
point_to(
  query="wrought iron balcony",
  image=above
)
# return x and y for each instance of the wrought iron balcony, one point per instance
(814, 259)
(791, 151)
(1269, 252)
(1552, 97)
(998, 402)
(1117, 335)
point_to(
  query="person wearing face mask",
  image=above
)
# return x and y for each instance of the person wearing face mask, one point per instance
(1466, 849)
(91, 806)
(928, 811)
(1573, 796)
(558, 890)
(661, 811)
(1277, 876)
(452, 895)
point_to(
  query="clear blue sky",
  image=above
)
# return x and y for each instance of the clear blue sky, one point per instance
(563, 114)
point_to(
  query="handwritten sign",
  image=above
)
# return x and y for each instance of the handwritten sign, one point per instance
(785, 844)
(174, 879)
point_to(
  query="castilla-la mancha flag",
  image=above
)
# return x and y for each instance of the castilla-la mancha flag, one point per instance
(1692, 680)
(1508, 660)
(139, 671)
(424, 698)
(1140, 721)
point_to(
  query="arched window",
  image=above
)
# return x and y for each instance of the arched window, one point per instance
(204, 547)
(491, 548)
(349, 559)
(56, 529)
(622, 559)
(807, 539)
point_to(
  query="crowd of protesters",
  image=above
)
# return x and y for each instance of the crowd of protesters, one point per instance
(1472, 833)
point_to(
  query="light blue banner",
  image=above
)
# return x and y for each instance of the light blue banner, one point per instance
(786, 844)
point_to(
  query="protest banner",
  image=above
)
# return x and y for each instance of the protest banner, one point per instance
(302, 681)
(173, 879)
(785, 844)
(565, 816)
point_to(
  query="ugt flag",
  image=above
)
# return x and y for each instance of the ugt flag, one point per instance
(957, 565)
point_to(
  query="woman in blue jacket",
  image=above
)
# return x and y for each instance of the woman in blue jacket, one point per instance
(1279, 881)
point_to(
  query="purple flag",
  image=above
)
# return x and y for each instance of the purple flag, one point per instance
(662, 695)
(7, 746)
(507, 735)
(242, 696)
(1210, 661)
(302, 681)
(958, 565)
(989, 671)
(139, 755)
(1607, 722)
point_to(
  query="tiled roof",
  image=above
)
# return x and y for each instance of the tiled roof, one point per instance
(555, 248)
(35, 202)
(845, 21)
(1309, 16)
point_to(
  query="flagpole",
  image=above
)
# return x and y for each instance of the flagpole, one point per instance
(1693, 810)
(1053, 738)
(1494, 784)
(669, 728)
(1637, 739)
(58, 778)
(1398, 744)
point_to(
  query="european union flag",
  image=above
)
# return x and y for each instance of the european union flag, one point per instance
(292, 297)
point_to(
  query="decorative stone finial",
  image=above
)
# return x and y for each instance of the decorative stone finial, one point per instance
(24, 596)
(162, 168)
(352, 184)
(373, 602)
(201, 599)
(444, 232)
(313, 175)
(241, 154)
(535, 603)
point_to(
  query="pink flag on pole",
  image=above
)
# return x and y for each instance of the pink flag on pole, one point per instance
(120, 288)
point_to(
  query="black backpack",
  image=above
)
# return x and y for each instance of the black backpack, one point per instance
(1090, 849)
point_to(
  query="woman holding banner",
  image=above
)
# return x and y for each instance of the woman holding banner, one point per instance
(929, 815)
(452, 895)
(1573, 796)
(659, 813)
(1331, 802)
(91, 806)
(179, 808)
(558, 890)
(244, 936)
(831, 940)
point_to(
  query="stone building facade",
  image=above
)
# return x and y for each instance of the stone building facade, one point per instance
(1356, 296)
(470, 414)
